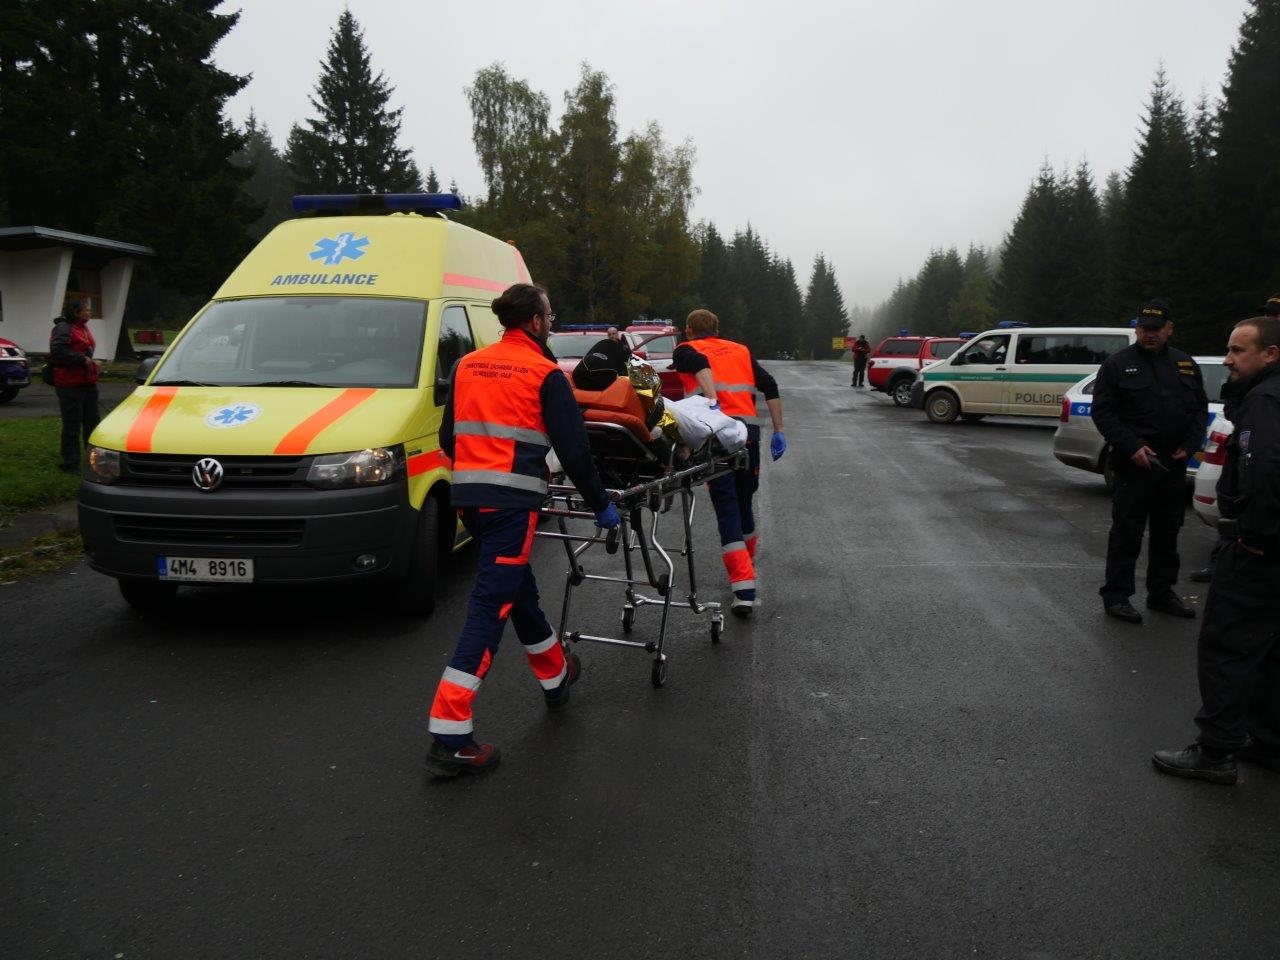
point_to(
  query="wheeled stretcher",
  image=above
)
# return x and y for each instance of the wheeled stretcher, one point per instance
(647, 482)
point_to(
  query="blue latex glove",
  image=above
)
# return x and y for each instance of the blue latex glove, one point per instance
(608, 517)
(778, 445)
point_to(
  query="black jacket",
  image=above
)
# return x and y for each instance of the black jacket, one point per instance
(1156, 399)
(1249, 488)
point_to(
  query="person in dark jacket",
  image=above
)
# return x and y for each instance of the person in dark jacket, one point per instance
(861, 350)
(75, 380)
(510, 404)
(1238, 656)
(1149, 405)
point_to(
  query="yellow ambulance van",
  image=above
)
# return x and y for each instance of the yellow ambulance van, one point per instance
(1014, 371)
(290, 432)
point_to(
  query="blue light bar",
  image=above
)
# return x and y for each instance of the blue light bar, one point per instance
(1011, 325)
(376, 202)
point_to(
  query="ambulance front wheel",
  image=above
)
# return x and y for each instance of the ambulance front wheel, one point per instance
(416, 594)
(942, 406)
(147, 596)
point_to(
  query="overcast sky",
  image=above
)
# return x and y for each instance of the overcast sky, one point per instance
(867, 130)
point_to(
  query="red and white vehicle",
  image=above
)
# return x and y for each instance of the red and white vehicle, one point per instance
(655, 342)
(894, 363)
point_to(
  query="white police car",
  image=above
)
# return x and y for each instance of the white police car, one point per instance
(1077, 442)
(1214, 455)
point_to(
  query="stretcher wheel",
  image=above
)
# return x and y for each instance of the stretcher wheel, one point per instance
(715, 631)
(628, 619)
(663, 585)
(658, 675)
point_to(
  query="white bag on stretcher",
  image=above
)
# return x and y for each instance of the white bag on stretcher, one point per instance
(698, 422)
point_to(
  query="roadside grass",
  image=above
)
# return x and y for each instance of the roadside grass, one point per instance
(42, 555)
(29, 474)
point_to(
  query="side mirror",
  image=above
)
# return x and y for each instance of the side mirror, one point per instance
(144, 369)
(441, 393)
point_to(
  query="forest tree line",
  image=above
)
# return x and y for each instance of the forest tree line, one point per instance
(119, 107)
(1194, 219)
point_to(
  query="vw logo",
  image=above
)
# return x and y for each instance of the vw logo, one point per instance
(206, 474)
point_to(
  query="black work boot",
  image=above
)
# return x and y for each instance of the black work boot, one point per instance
(560, 698)
(446, 761)
(1201, 576)
(1122, 610)
(1198, 763)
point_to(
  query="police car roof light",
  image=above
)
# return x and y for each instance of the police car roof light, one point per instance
(1011, 325)
(583, 326)
(376, 202)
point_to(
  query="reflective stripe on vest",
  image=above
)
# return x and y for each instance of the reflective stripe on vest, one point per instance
(478, 428)
(499, 478)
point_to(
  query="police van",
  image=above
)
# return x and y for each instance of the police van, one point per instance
(290, 432)
(1014, 370)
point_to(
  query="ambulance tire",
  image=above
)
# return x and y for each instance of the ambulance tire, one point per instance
(942, 406)
(415, 595)
(7, 394)
(147, 596)
(900, 390)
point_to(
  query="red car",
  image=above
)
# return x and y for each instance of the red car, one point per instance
(15, 372)
(893, 365)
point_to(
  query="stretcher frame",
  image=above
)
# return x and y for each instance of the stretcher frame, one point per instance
(651, 485)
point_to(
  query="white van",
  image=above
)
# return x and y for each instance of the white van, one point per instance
(1015, 371)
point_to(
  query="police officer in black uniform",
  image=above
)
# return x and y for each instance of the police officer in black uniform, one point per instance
(1150, 406)
(1239, 649)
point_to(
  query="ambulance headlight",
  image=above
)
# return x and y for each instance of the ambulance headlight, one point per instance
(104, 465)
(361, 468)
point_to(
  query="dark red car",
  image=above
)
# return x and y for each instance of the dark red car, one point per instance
(894, 363)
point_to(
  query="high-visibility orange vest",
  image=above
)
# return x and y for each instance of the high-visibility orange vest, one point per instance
(500, 439)
(731, 370)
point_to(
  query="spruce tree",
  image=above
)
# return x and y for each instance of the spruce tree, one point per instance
(1246, 174)
(1028, 285)
(1084, 251)
(937, 285)
(351, 145)
(825, 316)
(1156, 241)
(269, 185)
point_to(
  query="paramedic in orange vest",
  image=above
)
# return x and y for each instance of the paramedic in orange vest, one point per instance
(726, 371)
(510, 404)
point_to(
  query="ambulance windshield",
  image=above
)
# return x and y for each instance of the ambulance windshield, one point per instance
(301, 341)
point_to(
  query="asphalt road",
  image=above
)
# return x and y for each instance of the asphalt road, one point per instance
(930, 744)
(40, 400)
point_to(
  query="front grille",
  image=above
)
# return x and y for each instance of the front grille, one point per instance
(239, 473)
(210, 531)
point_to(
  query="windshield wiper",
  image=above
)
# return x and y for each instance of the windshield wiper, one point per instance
(290, 383)
(181, 383)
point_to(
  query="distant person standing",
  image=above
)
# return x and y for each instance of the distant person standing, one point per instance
(1238, 655)
(75, 380)
(861, 350)
(1149, 405)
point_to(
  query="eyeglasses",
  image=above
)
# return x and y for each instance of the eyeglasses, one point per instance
(550, 318)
